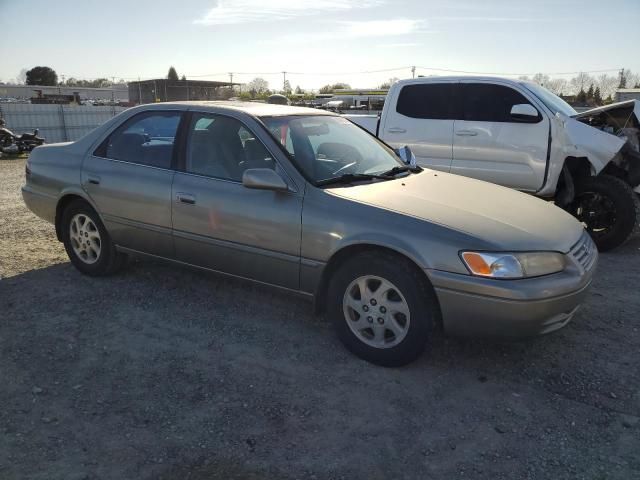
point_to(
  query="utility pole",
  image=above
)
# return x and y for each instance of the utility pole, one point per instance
(113, 89)
(413, 72)
(284, 80)
(231, 81)
(620, 83)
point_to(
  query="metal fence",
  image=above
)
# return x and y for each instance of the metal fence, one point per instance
(57, 123)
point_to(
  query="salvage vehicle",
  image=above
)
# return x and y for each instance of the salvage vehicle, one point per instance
(306, 201)
(518, 134)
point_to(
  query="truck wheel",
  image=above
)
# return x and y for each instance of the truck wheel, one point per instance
(606, 205)
(382, 310)
(87, 241)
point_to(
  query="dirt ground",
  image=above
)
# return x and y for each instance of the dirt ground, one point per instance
(163, 372)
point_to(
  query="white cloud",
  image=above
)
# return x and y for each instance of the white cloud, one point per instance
(376, 28)
(342, 30)
(228, 12)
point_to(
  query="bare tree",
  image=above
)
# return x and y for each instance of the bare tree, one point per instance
(580, 82)
(22, 77)
(258, 86)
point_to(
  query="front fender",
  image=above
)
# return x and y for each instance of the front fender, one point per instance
(581, 140)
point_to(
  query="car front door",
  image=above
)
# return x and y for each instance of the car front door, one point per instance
(220, 224)
(423, 120)
(490, 144)
(128, 177)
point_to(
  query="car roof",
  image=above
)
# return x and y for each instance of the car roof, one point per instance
(457, 78)
(257, 109)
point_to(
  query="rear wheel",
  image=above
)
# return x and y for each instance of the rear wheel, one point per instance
(87, 241)
(606, 205)
(381, 308)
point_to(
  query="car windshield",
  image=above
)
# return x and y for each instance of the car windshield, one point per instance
(550, 99)
(326, 147)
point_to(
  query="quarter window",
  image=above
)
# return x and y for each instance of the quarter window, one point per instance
(147, 139)
(222, 147)
(485, 102)
(429, 101)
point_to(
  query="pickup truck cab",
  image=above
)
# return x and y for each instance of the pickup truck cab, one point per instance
(520, 135)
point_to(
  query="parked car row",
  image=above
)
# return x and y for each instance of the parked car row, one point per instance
(305, 200)
(518, 134)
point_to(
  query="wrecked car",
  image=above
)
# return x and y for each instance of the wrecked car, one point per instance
(520, 135)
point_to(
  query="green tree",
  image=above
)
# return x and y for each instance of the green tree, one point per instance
(172, 74)
(597, 96)
(623, 80)
(286, 88)
(184, 78)
(581, 98)
(298, 90)
(590, 92)
(42, 76)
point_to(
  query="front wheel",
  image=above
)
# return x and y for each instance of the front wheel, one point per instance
(606, 205)
(381, 308)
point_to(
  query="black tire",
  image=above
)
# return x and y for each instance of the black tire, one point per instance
(109, 260)
(608, 208)
(419, 296)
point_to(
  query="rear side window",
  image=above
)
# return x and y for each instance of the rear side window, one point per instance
(484, 102)
(432, 101)
(147, 138)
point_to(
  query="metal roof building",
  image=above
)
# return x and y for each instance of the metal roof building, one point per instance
(164, 90)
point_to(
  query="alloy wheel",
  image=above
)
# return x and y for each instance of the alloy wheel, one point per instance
(376, 311)
(85, 238)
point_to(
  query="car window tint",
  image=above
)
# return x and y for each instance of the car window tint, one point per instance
(431, 101)
(484, 102)
(223, 147)
(147, 139)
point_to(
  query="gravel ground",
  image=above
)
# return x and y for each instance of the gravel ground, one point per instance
(163, 372)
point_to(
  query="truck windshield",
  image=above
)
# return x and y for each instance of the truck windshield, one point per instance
(326, 147)
(550, 99)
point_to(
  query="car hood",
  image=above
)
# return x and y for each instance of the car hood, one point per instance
(501, 218)
(628, 107)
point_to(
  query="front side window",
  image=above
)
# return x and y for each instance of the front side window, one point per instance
(324, 146)
(428, 101)
(484, 102)
(147, 139)
(222, 147)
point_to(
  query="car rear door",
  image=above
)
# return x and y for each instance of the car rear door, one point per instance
(421, 116)
(220, 224)
(129, 177)
(489, 144)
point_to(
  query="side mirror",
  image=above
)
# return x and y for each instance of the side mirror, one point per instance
(525, 112)
(406, 155)
(264, 179)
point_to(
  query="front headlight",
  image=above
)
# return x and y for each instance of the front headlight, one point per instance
(513, 265)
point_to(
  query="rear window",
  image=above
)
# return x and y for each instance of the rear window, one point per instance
(431, 101)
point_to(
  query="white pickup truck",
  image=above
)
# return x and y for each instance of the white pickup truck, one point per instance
(520, 135)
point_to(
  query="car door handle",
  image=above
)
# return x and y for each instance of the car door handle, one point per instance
(466, 133)
(93, 179)
(396, 130)
(186, 198)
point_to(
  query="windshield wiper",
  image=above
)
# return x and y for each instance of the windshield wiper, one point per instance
(352, 177)
(396, 170)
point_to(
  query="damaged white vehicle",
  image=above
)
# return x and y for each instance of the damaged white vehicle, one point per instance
(520, 135)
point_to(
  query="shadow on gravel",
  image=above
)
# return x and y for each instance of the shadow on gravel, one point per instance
(167, 372)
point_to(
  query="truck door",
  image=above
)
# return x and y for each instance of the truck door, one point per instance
(421, 116)
(489, 143)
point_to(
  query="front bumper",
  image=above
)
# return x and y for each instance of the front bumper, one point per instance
(510, 308)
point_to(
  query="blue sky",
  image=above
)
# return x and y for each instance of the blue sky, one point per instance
(322, 41)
